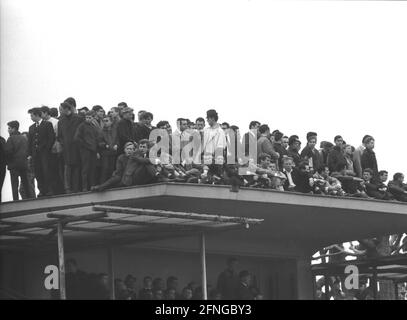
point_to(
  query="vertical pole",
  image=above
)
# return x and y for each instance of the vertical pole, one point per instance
(203, 268)
(61, 257)
(396, 289)
(374, 282)
(327, 283)
(110, 272)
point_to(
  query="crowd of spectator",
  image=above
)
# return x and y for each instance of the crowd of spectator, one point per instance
(230, 285)
(69, 150)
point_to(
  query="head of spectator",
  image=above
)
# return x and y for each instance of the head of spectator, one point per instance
(338, 140)
(312, 141)
(214, 294)
(231, 264)
(143, 146)
(369, 143)
(122, 105)
(53, 112)
(139, 114)
(367, 175)
(72, 102)
(13, 127)
(234, 128)
(172, 283)
(148, 282)
(303, 167)
(253, 125)
(383, 176)
(326, 146)
(170, 294)
(89, 116)
(182, 124)
(115, 113)
(146, 118)
(99, 112)
(312, 134)
(348, 150)
(82, 111)
(165, 125)
(66, 109)
(264, 130)
(129, 148)
(365, 138)
(107, 122)
(186, 293)
(245, 278)
(273, 166)
(103, 280)
(284, 142)
(158, 284)
(288, 164)
(158, 294)
(212, 117)
(278, 137)
(192, 285)
(127, 114)
(398, 177)
(324, 171)
(225, 126)
(294, 143)
(45, 113)
(265, 160)
(200, 123)
(35, 114)
(71, 265)
(130, 282)
(191, 125)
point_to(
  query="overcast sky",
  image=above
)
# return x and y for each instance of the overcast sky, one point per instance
(332, 67)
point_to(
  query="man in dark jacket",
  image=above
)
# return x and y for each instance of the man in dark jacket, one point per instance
(398, 188)
(244, 291)
(108, 149)
(310, 153)
(125, 129)
(294, 146)
(139, 169)
(67, 126)
(301, 177)
(368, 159)
(41, 138)
(88, 138)
(144, 127)
(278, 147)
(16, 152)
(228, 280)
(375, 189)
(116, 179)
(2, 163)
(336, 158)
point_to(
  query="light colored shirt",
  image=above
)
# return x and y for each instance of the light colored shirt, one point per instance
(289, 178)
(214, 138)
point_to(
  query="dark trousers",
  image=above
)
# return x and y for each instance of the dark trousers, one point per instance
(108, 166)
(57, 186)
(2, 176)
(88, 167)
(42, 172)
(15, 174)
(72, 175)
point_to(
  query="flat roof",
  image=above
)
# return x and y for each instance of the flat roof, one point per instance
(303, 219)
(111, 223)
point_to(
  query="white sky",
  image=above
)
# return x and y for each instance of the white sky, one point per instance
(332, 67)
